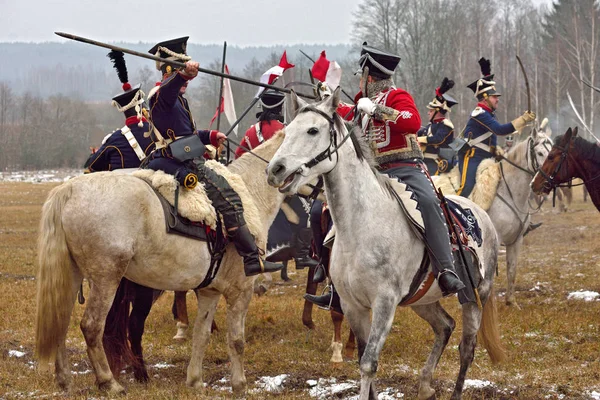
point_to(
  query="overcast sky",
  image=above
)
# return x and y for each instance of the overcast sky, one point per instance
(239, 22)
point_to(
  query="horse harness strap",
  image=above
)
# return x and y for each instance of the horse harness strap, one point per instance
(332, 138)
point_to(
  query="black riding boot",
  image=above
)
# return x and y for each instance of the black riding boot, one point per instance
(532, 227)
(246, 247)
(303, 242)
(449, 282)
(328, 301)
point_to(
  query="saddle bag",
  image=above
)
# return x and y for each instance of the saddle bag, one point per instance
(458, 144)
(187, 148)
(447, 154)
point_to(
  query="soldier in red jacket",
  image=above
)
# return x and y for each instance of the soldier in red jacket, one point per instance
(270, 121)
(390, 122)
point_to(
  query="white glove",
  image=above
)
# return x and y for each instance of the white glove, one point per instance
(366, 105)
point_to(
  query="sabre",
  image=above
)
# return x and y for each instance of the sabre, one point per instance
(177, 63)
(579, 117)
(526, 84)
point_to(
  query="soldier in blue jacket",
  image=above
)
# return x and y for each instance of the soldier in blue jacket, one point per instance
(128, 146)
(180, 150)
(439, 133)
(483, 128)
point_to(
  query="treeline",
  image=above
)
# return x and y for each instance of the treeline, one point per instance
(559, 46)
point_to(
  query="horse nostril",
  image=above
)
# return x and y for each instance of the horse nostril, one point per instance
(278, 169)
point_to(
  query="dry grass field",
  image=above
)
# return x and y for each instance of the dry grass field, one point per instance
(553, 342)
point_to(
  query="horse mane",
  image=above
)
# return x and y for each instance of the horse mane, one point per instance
(362, 149)
(266, 150)
(516, 154)
(587, 150)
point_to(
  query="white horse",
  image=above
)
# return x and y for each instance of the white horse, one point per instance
(376, 254)
(106, 226)
(510, 210)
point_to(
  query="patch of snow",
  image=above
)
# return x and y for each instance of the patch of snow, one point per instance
(42, 176)
(327, 388)
(163, 365)
(594, 395)
(16, 353)
(87, 371)
(585, 295)
(311, 382)
(477, 383)
(271, 384)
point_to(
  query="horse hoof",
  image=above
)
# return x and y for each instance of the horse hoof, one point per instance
(260, 290)
(112, 387)
(426, 394)
(141, 376)
(336, 357)
(512, 303)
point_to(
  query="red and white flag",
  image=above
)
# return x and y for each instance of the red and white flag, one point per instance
(327, 71)
(227, 107)
(275, 72)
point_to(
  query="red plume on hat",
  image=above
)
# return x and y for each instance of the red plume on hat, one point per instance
(118, 60)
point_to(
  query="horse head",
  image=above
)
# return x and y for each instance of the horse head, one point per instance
(540, 146)
(556, 169)
(310, 145)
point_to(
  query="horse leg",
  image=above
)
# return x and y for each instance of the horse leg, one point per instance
(471, 323)
(207, 306)
(512, 254)
(311, 288)
(443, 326)
(142, 303)
(359, 319)
(92, 325)
(284, 272)
(181, 315)
(237, 308)
(61, 363)
(350, 346)
(336, 344)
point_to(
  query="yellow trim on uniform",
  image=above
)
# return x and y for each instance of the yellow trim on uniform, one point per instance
(463, 178)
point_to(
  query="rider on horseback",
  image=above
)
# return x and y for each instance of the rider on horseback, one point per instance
(270, 121)
(390, 122)
(180, 149)
(128, 146)
(439, 133)
(483, 128)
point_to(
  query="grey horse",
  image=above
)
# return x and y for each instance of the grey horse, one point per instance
(376, 254)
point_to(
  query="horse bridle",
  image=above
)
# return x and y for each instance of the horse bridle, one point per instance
(333, 140)
(549, 183)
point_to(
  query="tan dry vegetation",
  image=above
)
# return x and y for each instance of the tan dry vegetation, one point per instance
(553, 343)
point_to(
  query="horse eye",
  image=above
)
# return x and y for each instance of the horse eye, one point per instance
(313, 131)
(540, 154)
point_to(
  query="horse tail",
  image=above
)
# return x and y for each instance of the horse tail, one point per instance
(489, 334)
(117, 348)
(55, 285)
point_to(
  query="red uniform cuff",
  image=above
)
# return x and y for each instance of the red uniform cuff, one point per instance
(213, 138)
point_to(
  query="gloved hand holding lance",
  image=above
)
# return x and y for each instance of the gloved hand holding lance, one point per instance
(178, 64)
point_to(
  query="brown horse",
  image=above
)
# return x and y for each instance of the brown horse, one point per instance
(571, 157)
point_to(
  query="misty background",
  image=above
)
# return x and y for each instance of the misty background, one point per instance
(55, 95)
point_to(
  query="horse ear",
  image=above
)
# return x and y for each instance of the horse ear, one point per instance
(332, 102)
(575, 131)
(568, 135)
(297, 103)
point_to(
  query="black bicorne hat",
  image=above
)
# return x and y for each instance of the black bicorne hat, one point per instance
(124, 101)
(484, 86)
(125, 98)
(272, 98)
(174, 49)
(381, 63)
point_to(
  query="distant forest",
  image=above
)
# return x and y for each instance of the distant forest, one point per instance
(55, 98)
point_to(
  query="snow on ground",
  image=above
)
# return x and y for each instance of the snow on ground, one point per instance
(326, 388)
(477, 383)
(271, 384)
(163, 365)
(594, 395)
(584, 295)
(43, 176)
(16, 353)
